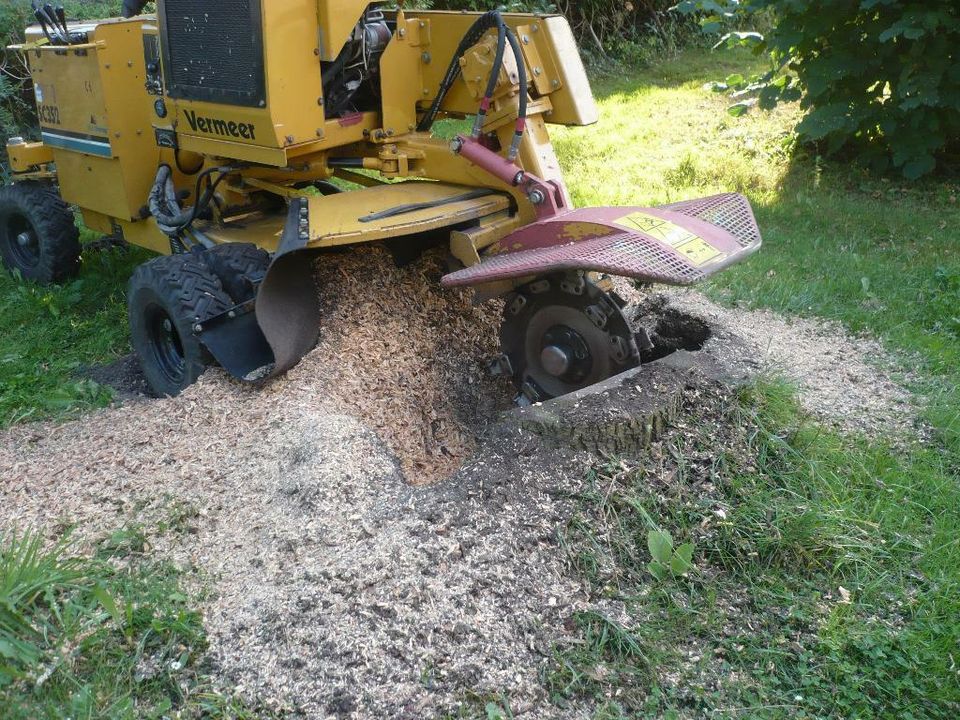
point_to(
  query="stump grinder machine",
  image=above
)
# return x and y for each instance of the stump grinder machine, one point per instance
(244, 139)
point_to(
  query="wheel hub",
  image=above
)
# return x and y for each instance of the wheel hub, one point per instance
(165, 343)
(22, 241)
(565, 354)
(562, 333)
(555, 359)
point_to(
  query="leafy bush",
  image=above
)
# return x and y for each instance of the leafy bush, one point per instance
(606, 30)
(880, 78)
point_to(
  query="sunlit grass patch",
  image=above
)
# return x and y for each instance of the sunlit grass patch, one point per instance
(824, 582)
(109, 634)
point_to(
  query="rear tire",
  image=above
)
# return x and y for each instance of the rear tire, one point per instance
(166, 298)
(38, 236)
(241, 268)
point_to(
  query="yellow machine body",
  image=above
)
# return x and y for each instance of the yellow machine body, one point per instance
(100, 125)
(297, 125)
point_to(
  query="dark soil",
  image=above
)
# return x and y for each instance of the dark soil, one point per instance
(124, 376)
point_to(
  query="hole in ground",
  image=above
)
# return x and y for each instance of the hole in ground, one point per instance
(669, 329)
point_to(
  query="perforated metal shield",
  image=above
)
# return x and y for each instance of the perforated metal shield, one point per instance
(676, 244)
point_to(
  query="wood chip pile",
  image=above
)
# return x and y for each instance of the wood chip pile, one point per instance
(406, 358)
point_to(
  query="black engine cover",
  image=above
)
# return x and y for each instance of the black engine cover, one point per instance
(213, 50)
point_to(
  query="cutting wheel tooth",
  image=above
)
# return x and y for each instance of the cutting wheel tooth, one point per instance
(597, 315)
(619, 348)
(540, 286)
(530, 391)
(519, 302)
(500, 365)
(573, 284)
(642, 338)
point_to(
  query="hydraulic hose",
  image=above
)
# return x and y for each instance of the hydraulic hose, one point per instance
(522, 111)
(492, 80)
(163, 203)
(487, 21)
(164, 206)
(505, 35)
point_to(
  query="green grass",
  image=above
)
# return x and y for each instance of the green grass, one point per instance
(806, 511)
(782, 515)
(109, 634)
(52, 334)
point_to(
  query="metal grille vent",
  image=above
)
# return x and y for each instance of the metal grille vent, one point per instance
(730, 211)
(213, 51)
(627, 254)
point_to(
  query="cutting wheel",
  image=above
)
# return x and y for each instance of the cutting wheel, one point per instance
(561, 333)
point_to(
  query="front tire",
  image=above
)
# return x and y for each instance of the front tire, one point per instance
(38, 236)
(166, 298)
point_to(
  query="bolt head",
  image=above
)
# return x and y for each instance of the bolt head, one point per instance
(555, 360)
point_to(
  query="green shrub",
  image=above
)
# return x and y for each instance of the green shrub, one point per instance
(607, 31)
(880, 78)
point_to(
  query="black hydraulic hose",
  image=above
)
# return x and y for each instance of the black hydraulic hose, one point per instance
(492, 80)
(48, 25)
(163, 204)
(487, 21)
(522, 112)
(62, 19)
(51, 17)
(38, 14)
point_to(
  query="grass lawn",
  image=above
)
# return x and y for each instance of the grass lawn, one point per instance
(808, 512)
(105, 634)
(51, 334)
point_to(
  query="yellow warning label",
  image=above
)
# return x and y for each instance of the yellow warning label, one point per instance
(687, 243)
(698, 251)
(661, 229)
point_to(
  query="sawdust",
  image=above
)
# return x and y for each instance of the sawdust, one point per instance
(407, 358)
(339, 589)
(851, 383)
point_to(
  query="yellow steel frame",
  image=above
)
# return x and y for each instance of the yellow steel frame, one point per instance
(97, 90)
